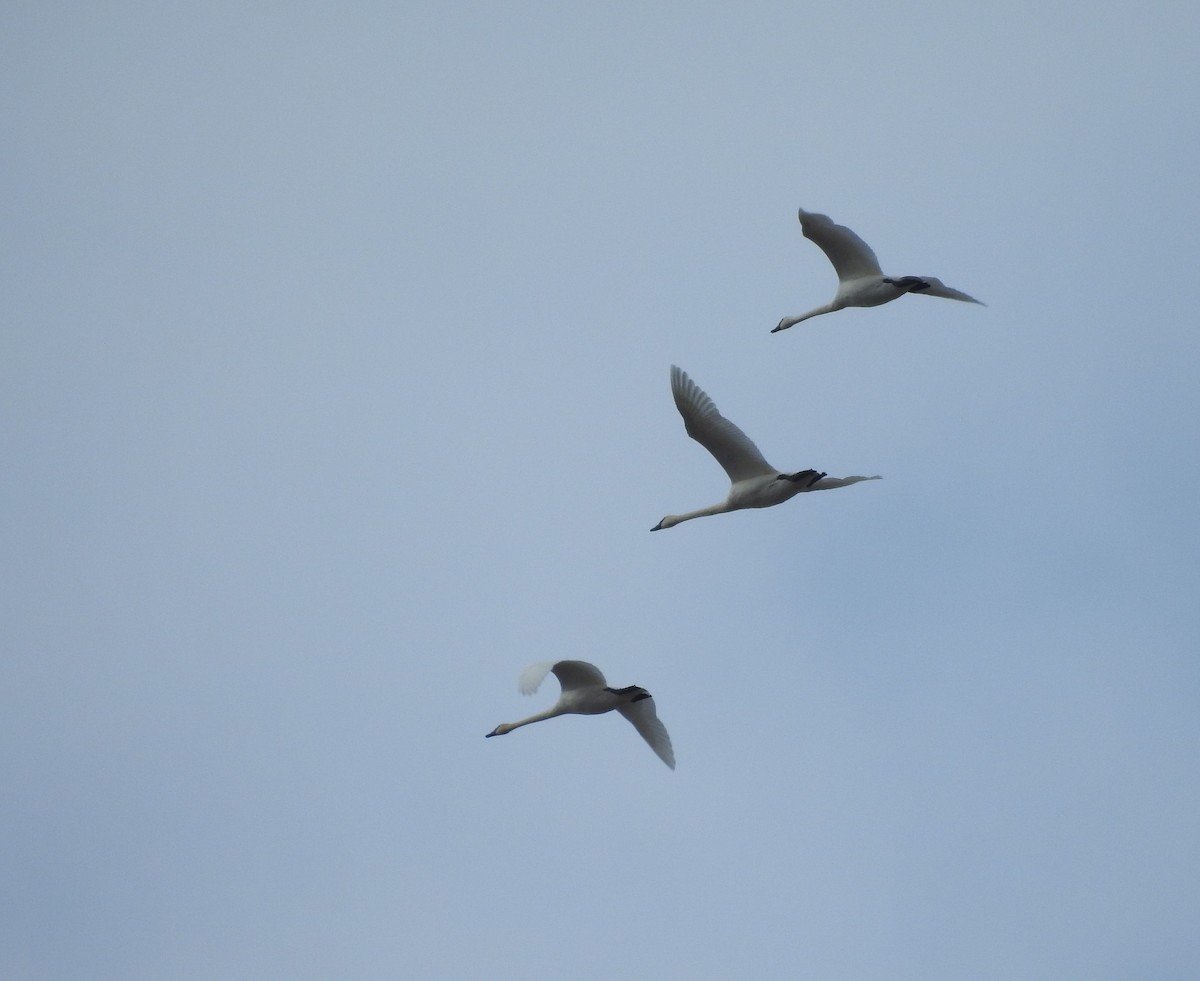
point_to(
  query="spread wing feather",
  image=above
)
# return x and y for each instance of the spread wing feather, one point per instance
(733, 449)
(850, 255)
(645, 720)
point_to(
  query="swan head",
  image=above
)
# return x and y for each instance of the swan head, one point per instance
(670, 521)
(500, 730)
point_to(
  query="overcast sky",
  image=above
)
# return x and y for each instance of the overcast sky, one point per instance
(335, 390)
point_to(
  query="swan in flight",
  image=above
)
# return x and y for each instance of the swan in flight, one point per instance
(861, 283)
(585, 692)
(754, 482)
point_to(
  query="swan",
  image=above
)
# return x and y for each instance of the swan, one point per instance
(861, 283)
(585, 692)
(754, 482)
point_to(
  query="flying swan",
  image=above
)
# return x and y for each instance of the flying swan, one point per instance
(861, 283)
(754, 482)
(585, 692)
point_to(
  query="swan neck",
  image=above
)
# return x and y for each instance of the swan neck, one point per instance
(673, 519)
(787, 322)
(550, 713)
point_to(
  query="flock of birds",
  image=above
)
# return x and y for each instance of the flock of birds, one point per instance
(754, 483)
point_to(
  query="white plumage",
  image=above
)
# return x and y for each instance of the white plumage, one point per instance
(585, 692)
(754, 483)
(861, 282)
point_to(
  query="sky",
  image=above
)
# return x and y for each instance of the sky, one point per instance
(335, 391)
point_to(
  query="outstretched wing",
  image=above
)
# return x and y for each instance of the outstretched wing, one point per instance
(733, 449)
(938, 288)
(645, 720)
(850, 255)
(828, 483)
(570, 674)
(533, 676)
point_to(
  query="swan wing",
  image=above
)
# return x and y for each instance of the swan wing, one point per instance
(570, 674)
(829, 483)
(532, 677)
(733, 449)
(850, 255)
(938, 288)
(573, 675)
(645, 720)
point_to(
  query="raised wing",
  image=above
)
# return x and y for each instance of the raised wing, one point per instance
(645, 720)
(733, 449)
(532, 677)
(938, 288)
(578, 674)
(570, 674)
(850, 255)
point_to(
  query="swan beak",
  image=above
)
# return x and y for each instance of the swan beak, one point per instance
(657, 527)
(490, 734)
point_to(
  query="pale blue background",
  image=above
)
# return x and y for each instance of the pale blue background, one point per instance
(335, 356)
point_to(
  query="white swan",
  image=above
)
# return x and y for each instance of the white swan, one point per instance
(754, 482)
(585, 692)
(861, 283)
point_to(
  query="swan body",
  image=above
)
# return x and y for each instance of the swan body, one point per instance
(754, 483)
(861, 282)
(585, 692)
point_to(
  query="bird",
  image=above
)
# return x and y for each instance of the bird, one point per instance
(861, 283)
(754, 482)
(585, 692)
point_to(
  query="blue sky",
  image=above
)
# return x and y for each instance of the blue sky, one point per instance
(335, 390)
